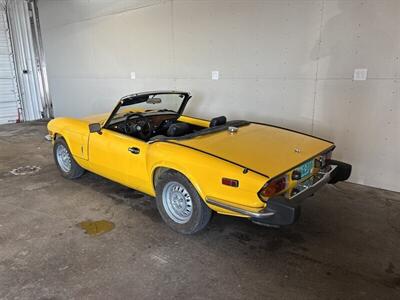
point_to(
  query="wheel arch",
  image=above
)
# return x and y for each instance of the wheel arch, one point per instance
(58, 135)
(162, 168)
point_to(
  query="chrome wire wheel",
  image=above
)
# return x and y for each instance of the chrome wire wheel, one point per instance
(63, 158)
(177, 202)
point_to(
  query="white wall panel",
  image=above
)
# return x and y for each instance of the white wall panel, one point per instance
(360, 34)
(277, 100)
(363, 118)
(113, 47)
(77, 97)
(120, 45)
(69, 52)
(82, 10)
(246, 39)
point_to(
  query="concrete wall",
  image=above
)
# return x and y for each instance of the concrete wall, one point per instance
(290, 63)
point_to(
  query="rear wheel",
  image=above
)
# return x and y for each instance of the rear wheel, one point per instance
(179, 204)
(65, 161)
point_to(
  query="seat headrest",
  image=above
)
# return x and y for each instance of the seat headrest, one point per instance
(218, 121)
(178, 129)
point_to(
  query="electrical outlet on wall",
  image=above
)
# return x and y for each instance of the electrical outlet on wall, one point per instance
(133, 75)
(214, 75)
(360, 74)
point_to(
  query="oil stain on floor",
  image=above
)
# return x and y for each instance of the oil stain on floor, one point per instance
(96, 227)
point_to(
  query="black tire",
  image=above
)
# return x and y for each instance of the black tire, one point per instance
(201, 213)
(75, 171)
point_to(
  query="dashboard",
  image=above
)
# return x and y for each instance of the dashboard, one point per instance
(155, 123)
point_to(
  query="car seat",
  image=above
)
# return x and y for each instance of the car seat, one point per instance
(178, 129)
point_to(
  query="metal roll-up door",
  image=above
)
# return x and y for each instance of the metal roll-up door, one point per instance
(9, 98)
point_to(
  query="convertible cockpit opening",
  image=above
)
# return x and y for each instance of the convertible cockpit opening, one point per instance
(165, 125)
(149, 124)
(158, 116)
(146, 115)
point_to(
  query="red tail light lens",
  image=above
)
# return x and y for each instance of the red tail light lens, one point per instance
(274, 187)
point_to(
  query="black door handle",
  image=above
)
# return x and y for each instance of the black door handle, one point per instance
(134, 150)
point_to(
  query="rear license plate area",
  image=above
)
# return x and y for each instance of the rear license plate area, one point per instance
(306, 168)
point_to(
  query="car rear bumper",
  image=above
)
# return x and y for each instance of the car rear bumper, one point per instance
(283, 211)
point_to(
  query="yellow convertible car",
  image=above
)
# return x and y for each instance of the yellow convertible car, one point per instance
(194, 166)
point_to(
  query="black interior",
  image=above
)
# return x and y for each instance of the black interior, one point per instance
(179, 129)
(150, 124)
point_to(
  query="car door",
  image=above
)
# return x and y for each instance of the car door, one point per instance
(119, 157)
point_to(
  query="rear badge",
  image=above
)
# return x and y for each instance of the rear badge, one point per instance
(297, 150)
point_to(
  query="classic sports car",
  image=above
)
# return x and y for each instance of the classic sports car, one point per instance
(194, 166)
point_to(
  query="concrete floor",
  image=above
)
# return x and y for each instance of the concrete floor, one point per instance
(345, 245)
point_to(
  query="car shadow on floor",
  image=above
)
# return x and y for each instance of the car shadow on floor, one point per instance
(241, 230)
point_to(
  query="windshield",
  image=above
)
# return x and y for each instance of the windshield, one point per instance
(159, 101)
(156, 102)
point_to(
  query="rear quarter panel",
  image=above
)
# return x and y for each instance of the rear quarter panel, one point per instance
(205, 172)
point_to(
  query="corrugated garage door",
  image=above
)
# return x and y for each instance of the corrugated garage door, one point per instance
(8, 85)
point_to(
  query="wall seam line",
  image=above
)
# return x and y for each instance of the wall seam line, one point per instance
(117, 12)
(317, 67)
(173, 44)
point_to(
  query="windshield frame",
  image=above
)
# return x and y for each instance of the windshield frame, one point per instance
(143, 97)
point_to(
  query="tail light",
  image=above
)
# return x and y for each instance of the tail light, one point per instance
(273, 187)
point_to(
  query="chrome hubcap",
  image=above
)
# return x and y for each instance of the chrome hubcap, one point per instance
(177, 202)
(63, 158)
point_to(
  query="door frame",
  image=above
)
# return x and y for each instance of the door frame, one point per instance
(29, 59)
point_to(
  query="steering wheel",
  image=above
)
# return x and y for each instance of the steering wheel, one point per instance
(141, 126)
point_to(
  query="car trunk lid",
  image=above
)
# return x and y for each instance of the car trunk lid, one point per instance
(265, 149)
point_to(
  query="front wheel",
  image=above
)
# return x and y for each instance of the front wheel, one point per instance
(64, 160)
(179, 204)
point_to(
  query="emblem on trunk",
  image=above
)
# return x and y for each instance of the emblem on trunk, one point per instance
(233, 129)
(297, 150)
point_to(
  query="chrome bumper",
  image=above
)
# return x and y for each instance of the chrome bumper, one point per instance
(281, 210)
(309, 186)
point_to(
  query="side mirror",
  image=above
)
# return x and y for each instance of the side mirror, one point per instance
(95, 127)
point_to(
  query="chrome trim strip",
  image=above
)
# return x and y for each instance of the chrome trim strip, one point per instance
(263, 213)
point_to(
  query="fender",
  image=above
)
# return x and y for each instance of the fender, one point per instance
(77, 140)
(178, 168)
